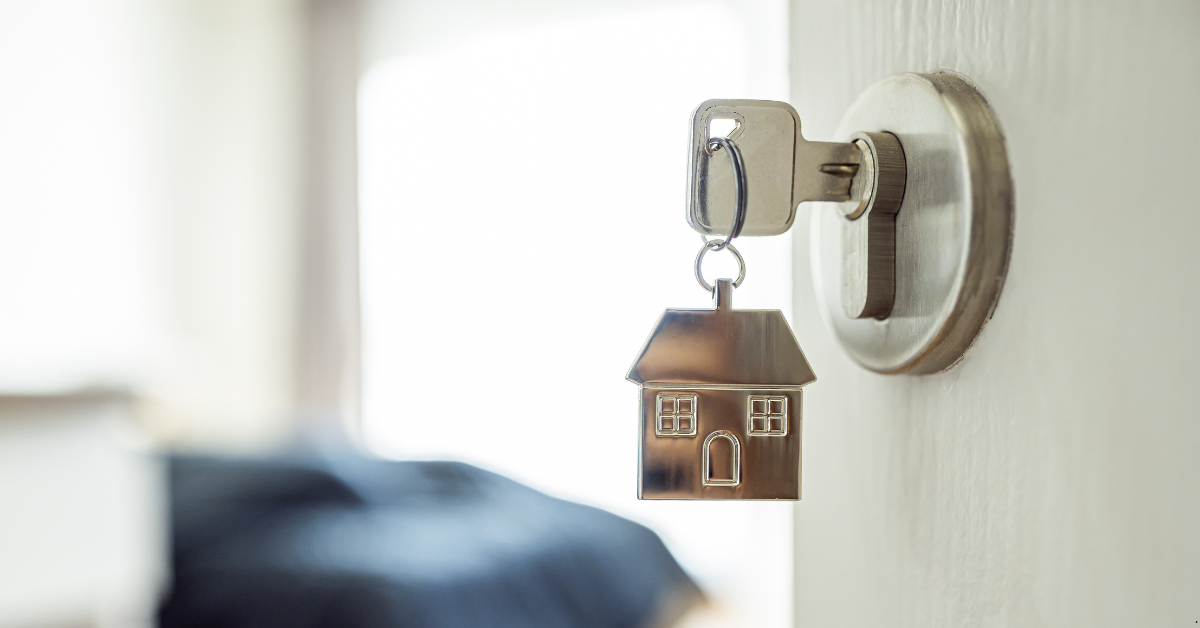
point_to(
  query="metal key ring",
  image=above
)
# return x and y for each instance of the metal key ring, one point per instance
(739, 187)
(717, 246)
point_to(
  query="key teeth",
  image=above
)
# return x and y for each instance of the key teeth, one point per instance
(842, 171)
(824, 170)
(842, 178)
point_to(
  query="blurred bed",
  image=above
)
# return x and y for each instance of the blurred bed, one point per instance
(310, 542)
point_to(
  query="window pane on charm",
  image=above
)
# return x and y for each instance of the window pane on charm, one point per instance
(767, 415)
(675, 413)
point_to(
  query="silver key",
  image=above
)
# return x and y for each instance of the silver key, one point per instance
(782, 168)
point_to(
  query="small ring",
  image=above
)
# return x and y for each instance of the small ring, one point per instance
(717, 246)
(739, 186)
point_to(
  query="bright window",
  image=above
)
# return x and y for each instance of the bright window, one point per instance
(522, 188)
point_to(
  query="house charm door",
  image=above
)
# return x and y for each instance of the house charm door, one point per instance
(720, 404)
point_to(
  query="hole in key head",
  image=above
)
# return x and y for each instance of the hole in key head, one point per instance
(722, 127)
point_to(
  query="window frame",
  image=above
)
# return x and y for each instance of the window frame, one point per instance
(659, 414)
(767, 416)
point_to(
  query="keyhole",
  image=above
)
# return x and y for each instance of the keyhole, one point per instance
(722, 127)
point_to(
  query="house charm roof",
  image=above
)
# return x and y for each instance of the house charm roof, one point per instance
(722, 346)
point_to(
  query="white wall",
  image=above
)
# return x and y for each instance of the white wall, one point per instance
(1053, 477)
(150, 190)
(76, 208)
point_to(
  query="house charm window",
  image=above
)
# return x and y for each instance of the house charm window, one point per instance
(676, 414)
(768, 415)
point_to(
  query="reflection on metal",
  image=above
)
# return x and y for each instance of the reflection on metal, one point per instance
(724, 359)
(782, 168)
(707, 462)
(953, 230)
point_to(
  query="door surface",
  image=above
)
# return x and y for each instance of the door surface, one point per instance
(1052, 478)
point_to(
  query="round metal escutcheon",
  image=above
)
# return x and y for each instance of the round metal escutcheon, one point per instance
(953, 230)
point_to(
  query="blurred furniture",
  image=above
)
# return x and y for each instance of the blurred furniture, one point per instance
(82, 513)
(357, 542)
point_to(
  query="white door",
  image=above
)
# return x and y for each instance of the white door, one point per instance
(1052, 478)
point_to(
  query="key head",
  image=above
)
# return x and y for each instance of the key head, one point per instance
(765, 132)
(782, 168)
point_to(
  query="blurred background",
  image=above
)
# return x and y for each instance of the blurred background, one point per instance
(421, 230)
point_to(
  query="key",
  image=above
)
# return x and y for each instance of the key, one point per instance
(782, 168)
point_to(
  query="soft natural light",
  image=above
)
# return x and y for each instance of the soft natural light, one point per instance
(76, 231)
(522, 228)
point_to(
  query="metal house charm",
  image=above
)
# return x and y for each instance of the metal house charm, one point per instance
(721, 404)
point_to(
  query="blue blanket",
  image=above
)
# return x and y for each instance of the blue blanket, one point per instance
(310, 542)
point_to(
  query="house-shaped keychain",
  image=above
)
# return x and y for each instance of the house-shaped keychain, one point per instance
(720, 404)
